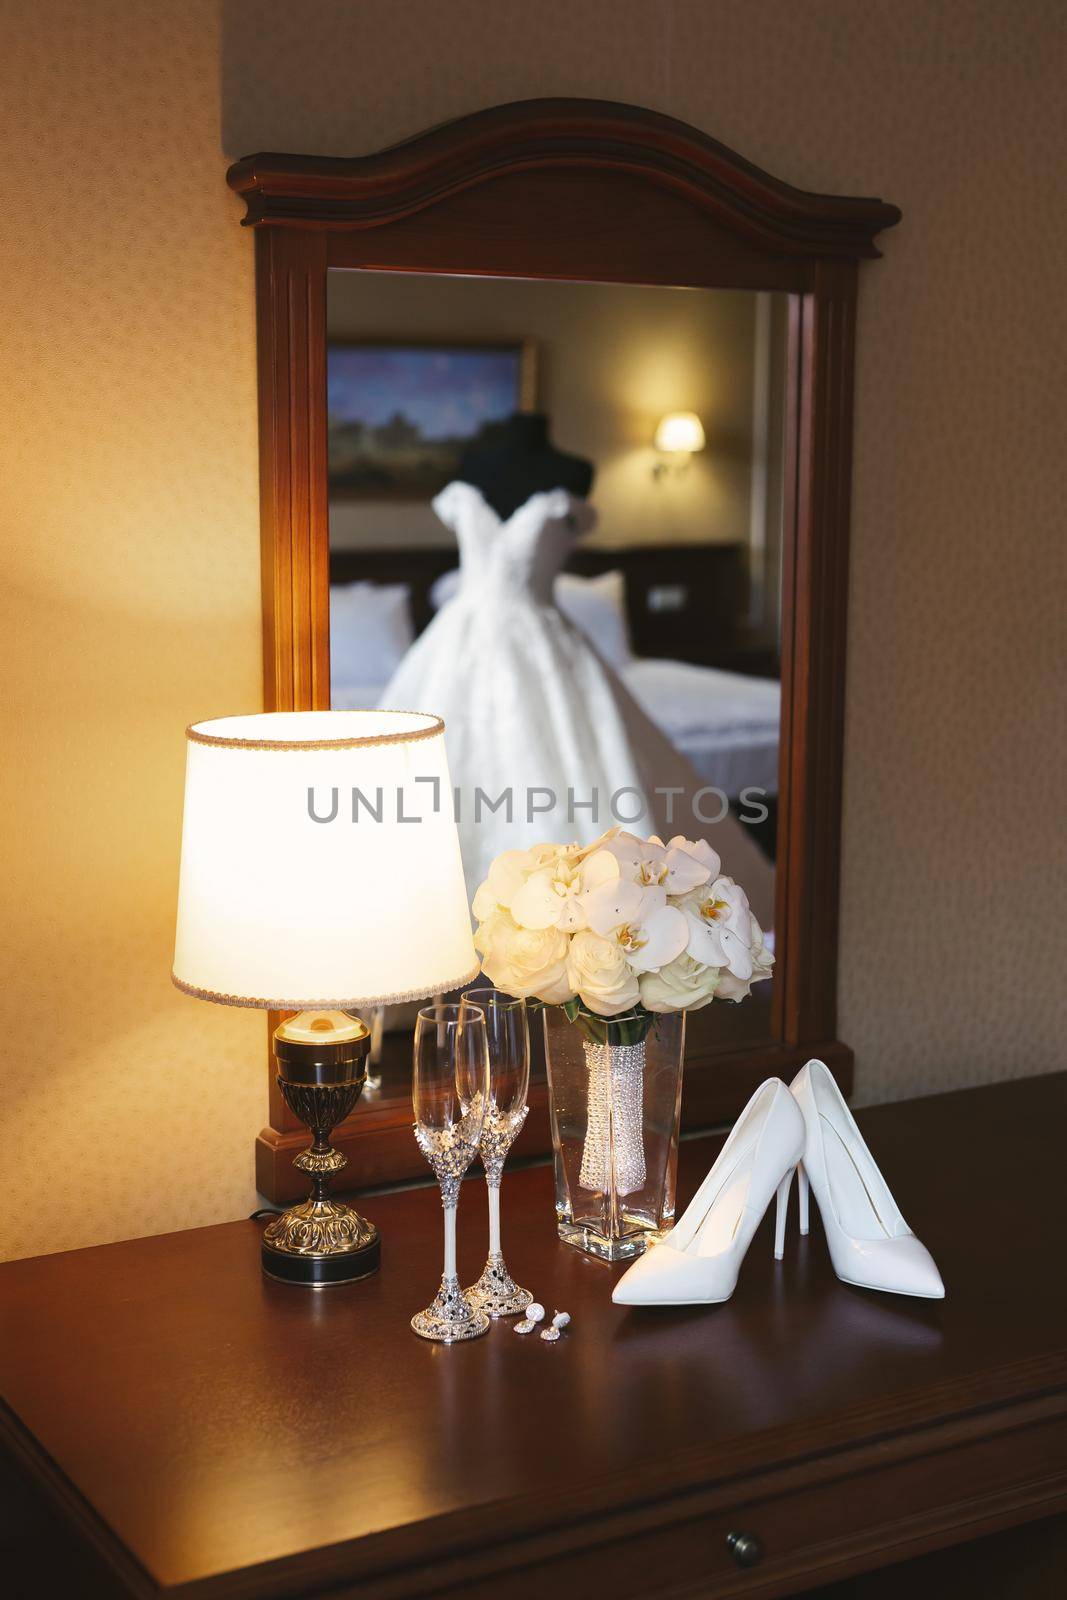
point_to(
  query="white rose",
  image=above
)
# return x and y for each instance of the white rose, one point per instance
(598, 971)
(734, 988)
(524, 961)
(682, 985)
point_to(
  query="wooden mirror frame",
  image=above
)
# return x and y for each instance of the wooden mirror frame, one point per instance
(579, 189)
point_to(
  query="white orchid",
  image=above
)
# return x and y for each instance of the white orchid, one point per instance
(650, 863)
(647, 930)
(512, 869)
(720, 927)
(554, 896)
(701, 851)
(736, 989)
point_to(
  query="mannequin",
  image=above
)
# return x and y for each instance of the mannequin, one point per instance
(522, 461)
(531, 708)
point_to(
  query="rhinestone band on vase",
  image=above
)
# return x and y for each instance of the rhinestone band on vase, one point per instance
(614, 1134)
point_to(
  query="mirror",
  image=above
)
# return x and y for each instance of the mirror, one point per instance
(555, 518)
(500, 292)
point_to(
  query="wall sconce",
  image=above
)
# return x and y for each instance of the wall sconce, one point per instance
(679, 435)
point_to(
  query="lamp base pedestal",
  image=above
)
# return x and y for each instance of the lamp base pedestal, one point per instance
(320, 1243)
(322, 1066)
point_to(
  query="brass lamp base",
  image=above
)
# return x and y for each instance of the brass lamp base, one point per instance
(322, 1067)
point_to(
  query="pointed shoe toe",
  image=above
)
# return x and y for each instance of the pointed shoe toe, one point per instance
(641, 1283)
(669, 1277)
(894, 1266)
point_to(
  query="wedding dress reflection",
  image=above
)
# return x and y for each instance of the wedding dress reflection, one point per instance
(544, 740)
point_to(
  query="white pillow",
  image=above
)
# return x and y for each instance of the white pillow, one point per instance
(370, 630)
(598, 607)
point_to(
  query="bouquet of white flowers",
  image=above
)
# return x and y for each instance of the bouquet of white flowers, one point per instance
(622, 926)
(615, 932)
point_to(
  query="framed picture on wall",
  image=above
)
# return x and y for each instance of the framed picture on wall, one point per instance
(402, 415)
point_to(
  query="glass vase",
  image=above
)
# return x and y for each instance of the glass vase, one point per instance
(615, 1096)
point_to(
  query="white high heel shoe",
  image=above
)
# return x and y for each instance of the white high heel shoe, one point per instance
(698, 1261)
(870, 1244)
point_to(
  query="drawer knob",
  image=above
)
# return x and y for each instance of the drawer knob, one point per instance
(745, 1548)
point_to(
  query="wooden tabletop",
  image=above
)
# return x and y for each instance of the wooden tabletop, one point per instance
(200, 1420)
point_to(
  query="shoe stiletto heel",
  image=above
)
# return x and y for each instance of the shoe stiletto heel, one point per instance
(697, 1263)
(802, 1196)
(780, 1214)
(869, 1242)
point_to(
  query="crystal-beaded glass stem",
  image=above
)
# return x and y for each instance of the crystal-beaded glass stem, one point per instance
(450, 1086)
(508, 1033)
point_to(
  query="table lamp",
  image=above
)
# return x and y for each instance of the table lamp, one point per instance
(320, 873)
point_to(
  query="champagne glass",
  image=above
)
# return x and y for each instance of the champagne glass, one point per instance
(450, 1085)
(508, 1032)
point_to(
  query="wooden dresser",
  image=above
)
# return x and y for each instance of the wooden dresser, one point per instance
(206, 1432)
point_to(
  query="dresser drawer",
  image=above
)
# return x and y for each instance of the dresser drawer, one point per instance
(866, 1508)
(864, 1518)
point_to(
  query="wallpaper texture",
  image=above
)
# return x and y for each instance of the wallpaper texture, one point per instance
(128, 486)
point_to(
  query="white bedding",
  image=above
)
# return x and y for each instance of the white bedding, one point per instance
(724, 722)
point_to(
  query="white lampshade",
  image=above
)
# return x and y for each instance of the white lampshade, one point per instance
(278, 910)
(680, 431)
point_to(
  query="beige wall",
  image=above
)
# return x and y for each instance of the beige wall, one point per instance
(612, 359)
(128, 504)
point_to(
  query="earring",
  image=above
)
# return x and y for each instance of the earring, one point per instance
(560, 1321)
(534, 1315)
